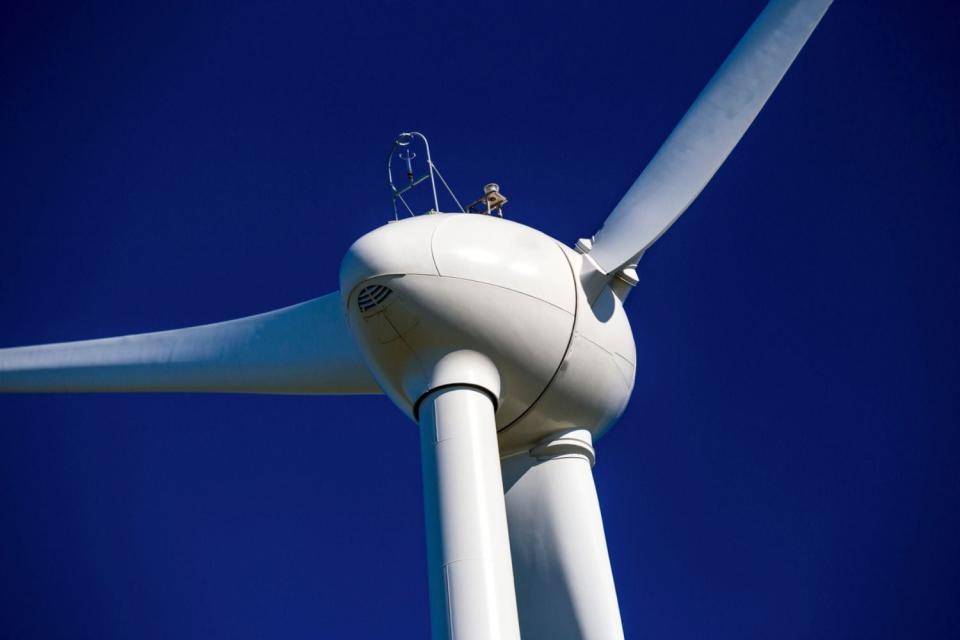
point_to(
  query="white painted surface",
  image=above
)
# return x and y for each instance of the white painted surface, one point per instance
(499, 288)
(505, 254)
(395, 248)
(592, 386)
(466, 368)
(305, 348)
(708, 132)
(565, 588)
(471, 576)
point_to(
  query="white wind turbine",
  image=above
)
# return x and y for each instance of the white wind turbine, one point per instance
(511, 350)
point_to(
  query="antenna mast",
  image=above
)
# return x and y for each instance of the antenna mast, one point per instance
(401, 149)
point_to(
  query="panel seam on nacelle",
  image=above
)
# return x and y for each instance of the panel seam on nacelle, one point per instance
(489, 284)
(557, 245)
(433, 253)
(566, 351)
(523, 293)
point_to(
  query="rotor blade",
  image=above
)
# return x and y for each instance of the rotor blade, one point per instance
(561, 568)
(708, 132)
(305, 348)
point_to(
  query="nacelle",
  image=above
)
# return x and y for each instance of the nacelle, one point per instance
(426, 287)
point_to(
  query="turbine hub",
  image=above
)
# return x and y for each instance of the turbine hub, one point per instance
(419, 290)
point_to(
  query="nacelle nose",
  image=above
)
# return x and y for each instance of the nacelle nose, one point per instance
(425, 287)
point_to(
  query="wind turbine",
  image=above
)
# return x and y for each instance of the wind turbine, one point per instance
(511, 350)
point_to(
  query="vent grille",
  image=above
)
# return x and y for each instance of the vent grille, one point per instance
(372, 296)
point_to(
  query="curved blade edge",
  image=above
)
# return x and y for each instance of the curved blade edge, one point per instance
(305, 348)
(708, 132)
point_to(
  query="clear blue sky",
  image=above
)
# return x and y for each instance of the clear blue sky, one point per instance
(788, 465)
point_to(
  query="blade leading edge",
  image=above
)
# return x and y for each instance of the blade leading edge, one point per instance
(305, 348)
(708, 132)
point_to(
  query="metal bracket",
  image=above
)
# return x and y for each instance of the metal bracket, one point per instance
(403, 141)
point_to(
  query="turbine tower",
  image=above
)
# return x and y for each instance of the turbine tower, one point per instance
(511, 351)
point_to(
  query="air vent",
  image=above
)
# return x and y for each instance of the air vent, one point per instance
(372, 296)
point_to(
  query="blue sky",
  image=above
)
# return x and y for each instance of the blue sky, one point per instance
(787, 466)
